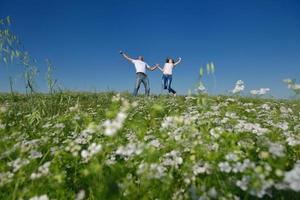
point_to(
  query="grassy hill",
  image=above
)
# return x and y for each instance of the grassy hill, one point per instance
(112, 146)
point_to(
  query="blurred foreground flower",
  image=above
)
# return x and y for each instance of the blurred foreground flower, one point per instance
(292, 178)
(80, 195)
(42, 197)
(112, 126)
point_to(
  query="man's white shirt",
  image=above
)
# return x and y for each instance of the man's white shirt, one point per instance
(140, 66)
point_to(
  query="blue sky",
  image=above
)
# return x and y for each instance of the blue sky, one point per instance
(256, 41)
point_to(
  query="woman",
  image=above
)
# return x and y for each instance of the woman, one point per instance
(167, 74)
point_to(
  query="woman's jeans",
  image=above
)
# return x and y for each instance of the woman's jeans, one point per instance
(141, 78)
(167, 81)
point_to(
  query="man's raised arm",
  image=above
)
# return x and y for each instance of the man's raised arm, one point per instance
(126, 56)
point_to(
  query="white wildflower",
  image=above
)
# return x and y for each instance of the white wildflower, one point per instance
(295, 86)
(73, 148)
(265, 107)
(243, 184)
(116, 97)
(155, 143)
(111, 159)
(283, 125)
(3, 108)
(224, 167)
(84, 154)
(134, 104)
(42, 171)
(77, 117)
(231, 115)
(171, 122)
(292, 141)
(285, 111)
(261, 91)
(112, 126)
(6, 177)
(216, 132)
(53, 150)
(297, 128)
(212, 192)
(242, 166)
(35, 154)
(157, 171)
(172, 159)
(59, 126)
(239, 87)
(74, 108)
(152, 171)
(276, 149)
(201, 168)
(92, 150)
(129, 150)
(18, 163)
(86, 135)
(231, 157)
(243, 126)
(47, 125)
(201, 88)
(2, 126)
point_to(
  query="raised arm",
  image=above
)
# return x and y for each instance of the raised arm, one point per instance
(177, 62)
(126, 56)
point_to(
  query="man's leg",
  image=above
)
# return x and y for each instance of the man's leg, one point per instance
(146, 83)
(138, 81)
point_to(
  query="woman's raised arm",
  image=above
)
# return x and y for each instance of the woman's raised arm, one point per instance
(178, 61)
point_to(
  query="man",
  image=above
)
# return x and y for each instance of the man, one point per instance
(141, 76)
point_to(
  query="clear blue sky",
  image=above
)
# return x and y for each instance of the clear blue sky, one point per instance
(257, 41)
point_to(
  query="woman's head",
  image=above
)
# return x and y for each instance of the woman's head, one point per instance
(170, 60)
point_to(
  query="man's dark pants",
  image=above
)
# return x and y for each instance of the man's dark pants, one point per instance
(141, 78)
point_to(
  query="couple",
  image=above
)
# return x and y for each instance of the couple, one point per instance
(141, 76)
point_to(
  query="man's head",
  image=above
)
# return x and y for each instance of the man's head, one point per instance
(141, 58)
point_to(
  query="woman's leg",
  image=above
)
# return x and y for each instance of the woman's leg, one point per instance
(169, 85)
(165, 79)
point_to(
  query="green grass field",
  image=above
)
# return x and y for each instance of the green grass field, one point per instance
(111, 146)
